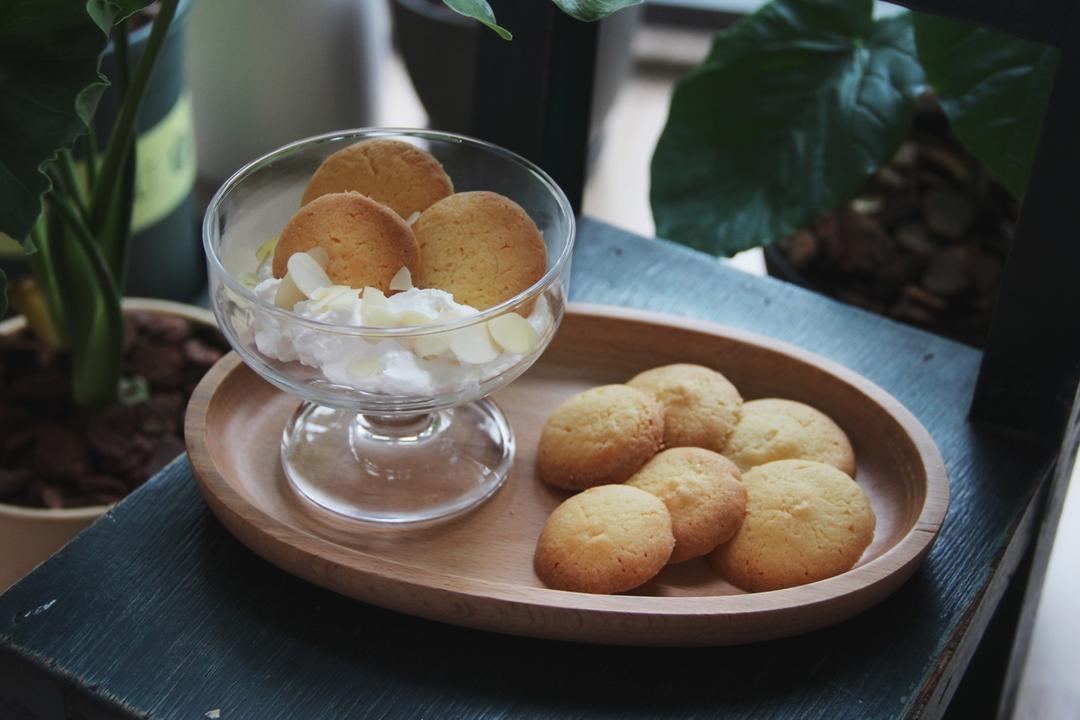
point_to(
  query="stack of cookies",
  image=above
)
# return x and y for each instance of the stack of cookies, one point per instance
(382, 205)
(673, 465)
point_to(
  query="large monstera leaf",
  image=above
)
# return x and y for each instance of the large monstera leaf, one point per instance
(994, 89)
(790, 112)
(50, 51)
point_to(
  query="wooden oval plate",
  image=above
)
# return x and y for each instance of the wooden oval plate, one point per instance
(477, 570)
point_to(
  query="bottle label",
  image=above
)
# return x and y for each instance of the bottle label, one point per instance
(164, 165)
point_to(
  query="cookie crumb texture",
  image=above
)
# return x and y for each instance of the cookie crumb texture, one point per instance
(773, 429)
(805, 521)
(700, 405)
(393, 173)
(608, 539)
(704, 494)
(480, 247)
(366, 243)
(600, 436)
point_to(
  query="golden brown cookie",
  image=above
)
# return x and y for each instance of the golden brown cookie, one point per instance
(607, 539)
(603, 435)
(480, 247)
(399, 175)
(700, 406)
(774, 429)
(367, 243)
(805, 521)
(704, 494)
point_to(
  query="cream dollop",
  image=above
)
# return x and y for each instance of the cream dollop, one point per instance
(425, 364)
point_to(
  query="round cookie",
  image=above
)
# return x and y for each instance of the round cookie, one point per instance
(366, 242)
(391, 172)
(603, 435)
(805, 521)
(774, 429)
(607, 539)
(704, 494)
(480, 247)
(700, 406)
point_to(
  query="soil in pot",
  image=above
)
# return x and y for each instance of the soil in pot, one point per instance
(923, 242)
(56, 455)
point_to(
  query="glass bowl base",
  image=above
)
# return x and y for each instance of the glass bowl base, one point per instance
(395, 470)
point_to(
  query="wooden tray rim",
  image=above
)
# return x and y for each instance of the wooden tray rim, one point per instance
(243, 519)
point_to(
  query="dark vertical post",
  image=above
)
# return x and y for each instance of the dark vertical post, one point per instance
(533, 94)
(1031, 365)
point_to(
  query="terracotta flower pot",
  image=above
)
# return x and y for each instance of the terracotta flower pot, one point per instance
(29, 536)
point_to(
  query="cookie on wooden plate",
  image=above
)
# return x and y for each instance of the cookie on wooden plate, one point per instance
(481, 247)
(600, 436)
(774, 429)
(704, 494)
(607, 539)
(393, 173)
(805, 521)
(700, 405)
(366, 242)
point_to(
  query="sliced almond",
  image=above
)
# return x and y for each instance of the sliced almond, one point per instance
(413, 318)
(375, 296)
(402, 279)
(287, 293)
(248, 280)
(307, 273)
(320, 256)
(325, 296)
(473, 345)
(432, 345)
(347, 300)
(514, 333)
(377, 316)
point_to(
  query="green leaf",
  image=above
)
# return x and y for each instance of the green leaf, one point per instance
(994, 89)
(49, 88)
(107, 13)
(481, 11)
(590, 10)
(94, 324)
(793, 108)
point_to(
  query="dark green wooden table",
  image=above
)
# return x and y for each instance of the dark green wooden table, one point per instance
(157, 611)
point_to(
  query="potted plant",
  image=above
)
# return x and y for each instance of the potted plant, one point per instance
(90, 397)
(798, 126)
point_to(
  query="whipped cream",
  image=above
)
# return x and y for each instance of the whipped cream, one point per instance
(448, 361)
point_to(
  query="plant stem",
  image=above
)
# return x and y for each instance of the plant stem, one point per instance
(123, 66)
(71, 218)
(65, 163)
(97, 338)
(113, 234)
(119, 225)
(42, 267)
(123, 129)
(91, 160)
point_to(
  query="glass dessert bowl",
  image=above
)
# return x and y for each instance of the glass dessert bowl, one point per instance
(394, 426)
